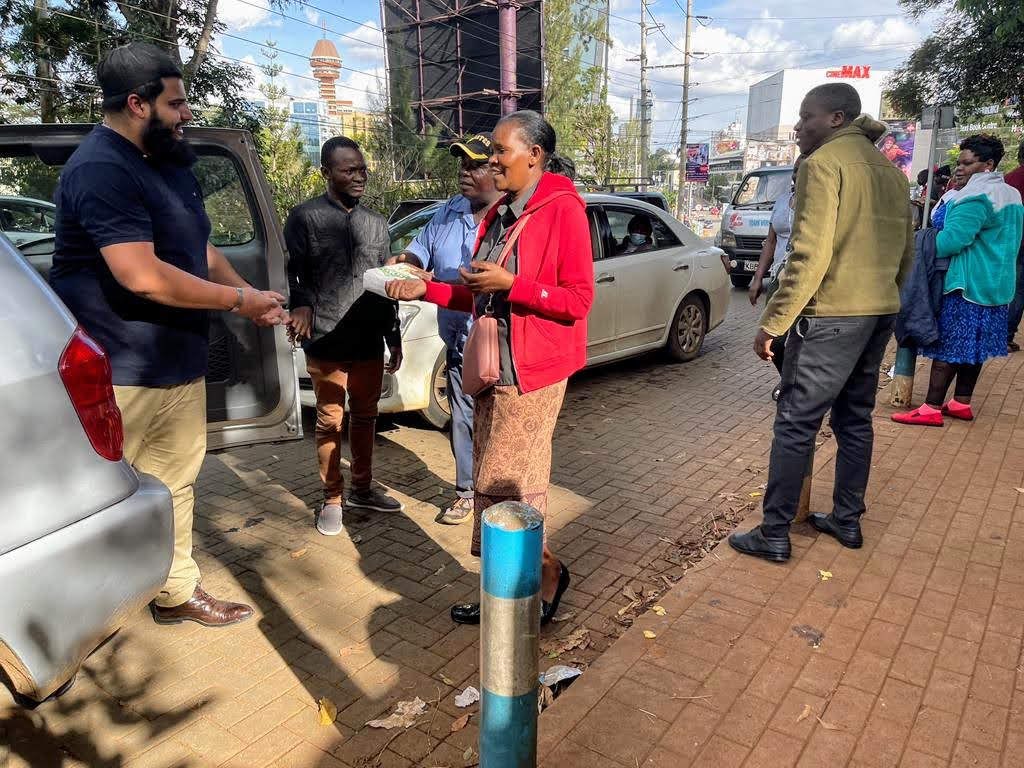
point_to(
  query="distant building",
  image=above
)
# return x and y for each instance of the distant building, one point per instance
(593, 48)
(773, 106)
(315, 123)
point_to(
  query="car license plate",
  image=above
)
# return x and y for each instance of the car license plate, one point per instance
(750, 266)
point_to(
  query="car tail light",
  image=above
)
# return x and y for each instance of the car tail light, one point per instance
(85, 370)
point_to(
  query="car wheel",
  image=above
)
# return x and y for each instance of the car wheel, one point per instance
(438, 413)
(741, 281)
(689, 325)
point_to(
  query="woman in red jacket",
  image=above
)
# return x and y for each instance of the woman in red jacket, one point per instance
(540, 298)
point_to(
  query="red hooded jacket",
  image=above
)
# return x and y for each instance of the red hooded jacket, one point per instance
(553, 290)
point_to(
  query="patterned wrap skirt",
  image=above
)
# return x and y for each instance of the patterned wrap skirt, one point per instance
(512, 435)
(969, 333)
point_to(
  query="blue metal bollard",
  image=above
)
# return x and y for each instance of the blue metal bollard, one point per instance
(511, 545)
(901, 393)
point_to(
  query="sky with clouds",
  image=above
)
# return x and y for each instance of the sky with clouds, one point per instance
(740, 42)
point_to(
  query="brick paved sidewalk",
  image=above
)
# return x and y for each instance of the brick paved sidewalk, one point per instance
(909, 655)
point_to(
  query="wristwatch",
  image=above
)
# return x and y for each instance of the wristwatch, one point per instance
(238, 301)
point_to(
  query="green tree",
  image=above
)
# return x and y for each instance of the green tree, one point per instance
(575, 101)
(50, 61)
(405, 164)
(972, 58)
(291, 175)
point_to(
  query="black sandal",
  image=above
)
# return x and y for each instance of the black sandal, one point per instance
(548, 610)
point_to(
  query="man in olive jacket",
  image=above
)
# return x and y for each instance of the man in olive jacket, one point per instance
(852, 246)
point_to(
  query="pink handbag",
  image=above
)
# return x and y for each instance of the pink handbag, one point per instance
(481, 360)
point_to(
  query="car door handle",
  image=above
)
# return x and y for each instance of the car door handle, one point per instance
(680, 267)
(605, 279)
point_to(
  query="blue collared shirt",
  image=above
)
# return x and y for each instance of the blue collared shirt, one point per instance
(444, 245)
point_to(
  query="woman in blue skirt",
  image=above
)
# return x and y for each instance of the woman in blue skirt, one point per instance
(981, 225)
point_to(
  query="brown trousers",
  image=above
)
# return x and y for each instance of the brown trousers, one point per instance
(361, 381)
(512, 448)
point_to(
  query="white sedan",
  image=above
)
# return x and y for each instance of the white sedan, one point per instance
(665, 293)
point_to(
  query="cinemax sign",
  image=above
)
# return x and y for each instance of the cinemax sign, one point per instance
(850, 72)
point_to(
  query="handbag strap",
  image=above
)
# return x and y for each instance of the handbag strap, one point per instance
(506, 251)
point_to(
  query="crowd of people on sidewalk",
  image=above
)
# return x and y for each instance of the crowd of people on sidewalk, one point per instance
(134, 263)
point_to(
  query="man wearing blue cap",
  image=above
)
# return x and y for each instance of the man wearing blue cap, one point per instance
(442, 247)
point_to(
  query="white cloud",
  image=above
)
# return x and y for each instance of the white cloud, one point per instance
(312, 15)
(869, 34)
(364, 89)
(363, 43)
(240, 15)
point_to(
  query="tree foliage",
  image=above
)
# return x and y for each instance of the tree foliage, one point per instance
(50, 63)
(575, 102)
(972, 58)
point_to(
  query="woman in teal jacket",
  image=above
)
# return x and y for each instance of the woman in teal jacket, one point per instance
(981, 224)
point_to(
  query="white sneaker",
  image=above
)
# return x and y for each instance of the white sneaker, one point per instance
(328, 520)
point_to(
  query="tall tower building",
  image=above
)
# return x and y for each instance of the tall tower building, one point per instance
(326, 64)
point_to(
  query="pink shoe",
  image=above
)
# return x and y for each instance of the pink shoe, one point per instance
(958, 411)
(925, 416)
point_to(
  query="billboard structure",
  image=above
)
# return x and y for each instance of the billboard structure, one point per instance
(697, 162)
(898, 144)
(443, 57)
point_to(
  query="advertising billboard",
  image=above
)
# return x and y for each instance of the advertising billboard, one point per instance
(697, 162)
(898, 144)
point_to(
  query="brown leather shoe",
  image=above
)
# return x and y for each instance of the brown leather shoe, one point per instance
(202, 609)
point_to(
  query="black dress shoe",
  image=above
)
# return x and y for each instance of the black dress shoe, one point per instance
(847, 534)
(753, 542)
(466, 613)
(547, 610)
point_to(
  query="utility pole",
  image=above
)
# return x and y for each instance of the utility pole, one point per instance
(44, 68)
(608, 110)
(645, 102)
(686, 109)
(507, 55)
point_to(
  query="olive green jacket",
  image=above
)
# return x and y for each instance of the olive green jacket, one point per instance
(853, 235)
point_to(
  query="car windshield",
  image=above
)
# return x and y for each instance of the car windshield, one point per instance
(404, 231)
(762, 188)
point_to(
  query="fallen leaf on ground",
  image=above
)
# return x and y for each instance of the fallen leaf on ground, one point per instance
(807, 712)
(755, 494)
(468, 754)
(327, 711)
(356, 539)
(1019, 490)
(658, 610)
(299, 553)
(461, 723)
(825, 575)
(828, 726)
(556, 646)
(649, 635)
(468, 697)
(404, 716)
(564, 617)
(447, 681)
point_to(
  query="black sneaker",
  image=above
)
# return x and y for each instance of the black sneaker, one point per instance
(374, 499)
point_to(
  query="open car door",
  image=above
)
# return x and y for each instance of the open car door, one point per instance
(252, 387)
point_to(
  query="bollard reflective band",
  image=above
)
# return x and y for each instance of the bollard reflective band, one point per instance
(508, 649)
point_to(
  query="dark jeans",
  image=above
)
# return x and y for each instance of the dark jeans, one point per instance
(461, 406)
(1017, 305)
(831, 363)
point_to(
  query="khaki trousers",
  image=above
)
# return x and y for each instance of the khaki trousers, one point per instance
(165, 436)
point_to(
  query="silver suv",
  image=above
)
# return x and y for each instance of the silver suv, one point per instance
(85, 540)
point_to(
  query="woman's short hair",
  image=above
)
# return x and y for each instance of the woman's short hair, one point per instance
(985, 147)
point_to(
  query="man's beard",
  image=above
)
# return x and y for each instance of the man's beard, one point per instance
(163, 146)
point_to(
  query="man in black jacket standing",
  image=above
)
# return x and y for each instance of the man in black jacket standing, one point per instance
(332, 241)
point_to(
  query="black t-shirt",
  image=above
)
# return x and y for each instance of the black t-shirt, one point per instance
(110, 193)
